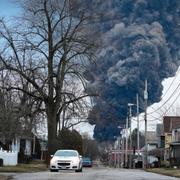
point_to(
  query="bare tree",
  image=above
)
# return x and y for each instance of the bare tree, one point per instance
(49, 47)
(8, 117)
(19, 113)
(77, 111)
(90, 147)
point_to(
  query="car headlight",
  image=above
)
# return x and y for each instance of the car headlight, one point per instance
(53, 161)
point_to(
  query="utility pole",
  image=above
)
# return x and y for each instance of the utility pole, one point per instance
(126, 155)
(145, 164)
(118, 152)
(119, 146)
(123, 149)
(137, 106)
(115, 158)
(130, 116)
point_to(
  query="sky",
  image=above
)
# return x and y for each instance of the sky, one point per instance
(9, 9)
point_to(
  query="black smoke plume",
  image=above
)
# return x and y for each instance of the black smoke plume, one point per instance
(140, 40)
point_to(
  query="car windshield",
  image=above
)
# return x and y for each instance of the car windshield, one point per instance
(65, 153)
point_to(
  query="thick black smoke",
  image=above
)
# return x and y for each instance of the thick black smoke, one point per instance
(141, 40)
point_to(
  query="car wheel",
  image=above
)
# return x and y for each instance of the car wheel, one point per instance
(79, 170)
(54, 170)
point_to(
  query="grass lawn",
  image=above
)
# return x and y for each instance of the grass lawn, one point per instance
(3, 177)
(166, 171)
(31, 167)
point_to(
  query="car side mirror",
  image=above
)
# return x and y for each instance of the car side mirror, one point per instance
(51, 155)
(80, 156)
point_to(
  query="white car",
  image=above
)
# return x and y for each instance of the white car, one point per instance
(66, 160)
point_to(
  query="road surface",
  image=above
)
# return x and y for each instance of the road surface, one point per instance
(93, 174)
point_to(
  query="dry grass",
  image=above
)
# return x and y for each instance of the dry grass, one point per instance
(32, 167)
(166, 171)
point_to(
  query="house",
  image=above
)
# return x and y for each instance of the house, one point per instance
(171, 126)
(152, 143)
(175, 148)
(160, 135)
(152, 140)
(27, 146)
(17, 150)
(158, 152)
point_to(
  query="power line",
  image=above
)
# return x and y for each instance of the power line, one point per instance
(173, 94)
(154, 116)
(167, 109)
(166, 100)
(171, 83)
(155, 109)
(172, 103)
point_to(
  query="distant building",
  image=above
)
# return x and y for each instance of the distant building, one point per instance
(175, 148)
(170, 123)
(152, 138)
(160, 135)
(171, 126)
(152, 143)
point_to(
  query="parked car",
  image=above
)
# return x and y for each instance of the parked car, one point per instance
(137, 163)
(86, 162)
(66, 160)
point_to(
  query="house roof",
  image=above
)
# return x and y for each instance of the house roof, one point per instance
(170, 123)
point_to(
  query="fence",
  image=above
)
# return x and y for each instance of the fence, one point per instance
(9, 157)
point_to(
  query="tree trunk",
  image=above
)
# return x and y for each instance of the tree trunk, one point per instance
(52, 129)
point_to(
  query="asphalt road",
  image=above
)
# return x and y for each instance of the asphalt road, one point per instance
(93, 174)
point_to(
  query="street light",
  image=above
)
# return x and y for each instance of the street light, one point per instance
(130, 104)
(137, 114)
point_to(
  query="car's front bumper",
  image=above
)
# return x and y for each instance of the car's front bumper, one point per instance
(87, 165)
(64, 166)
